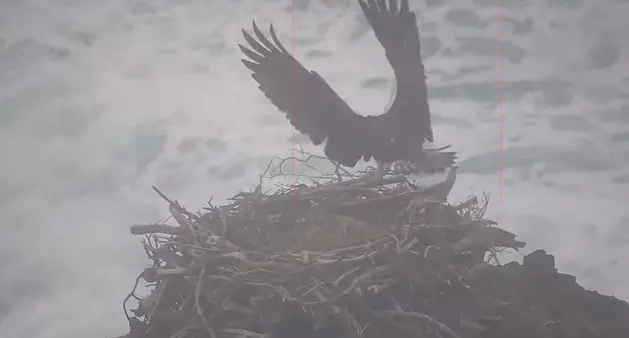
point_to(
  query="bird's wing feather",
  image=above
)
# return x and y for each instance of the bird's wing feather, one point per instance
(308, 101)
(395, 27)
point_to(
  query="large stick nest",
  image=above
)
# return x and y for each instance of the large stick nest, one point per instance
(323, 259)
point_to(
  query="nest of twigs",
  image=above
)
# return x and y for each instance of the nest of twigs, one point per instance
(325, 258)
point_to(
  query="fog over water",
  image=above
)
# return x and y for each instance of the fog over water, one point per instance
(100, 100)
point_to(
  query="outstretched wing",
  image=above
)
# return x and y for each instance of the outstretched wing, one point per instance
(308, 101)
(395, 27)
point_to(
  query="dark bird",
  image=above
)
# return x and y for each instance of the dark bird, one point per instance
(316, 110)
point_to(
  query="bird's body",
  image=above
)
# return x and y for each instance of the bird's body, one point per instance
(315, 109)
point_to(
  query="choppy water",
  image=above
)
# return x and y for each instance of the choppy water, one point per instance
(99, 100)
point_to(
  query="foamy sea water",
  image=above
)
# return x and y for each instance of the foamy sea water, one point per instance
(99, 100)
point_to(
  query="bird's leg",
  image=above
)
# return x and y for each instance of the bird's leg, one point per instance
(378, 174)
(372, 179)
(376, 177)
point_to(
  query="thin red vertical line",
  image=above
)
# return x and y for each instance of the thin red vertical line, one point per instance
(291, 74)
(500, 101)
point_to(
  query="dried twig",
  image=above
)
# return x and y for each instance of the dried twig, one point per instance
(419, 316)
(247, 248)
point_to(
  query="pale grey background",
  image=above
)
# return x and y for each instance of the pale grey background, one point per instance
(99, 100)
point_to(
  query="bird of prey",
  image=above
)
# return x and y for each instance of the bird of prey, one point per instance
(316, 110)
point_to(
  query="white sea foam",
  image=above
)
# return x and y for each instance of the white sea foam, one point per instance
(99, 100)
